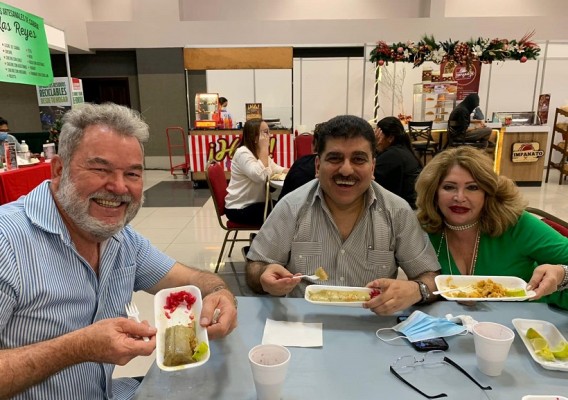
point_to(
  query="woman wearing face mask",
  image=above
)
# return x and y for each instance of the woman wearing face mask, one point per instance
(396, 165)
(5, 137)
(477, 225)
(251, 166)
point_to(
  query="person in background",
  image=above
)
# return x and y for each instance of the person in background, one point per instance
(69, 263)
(5, 137)
(226, 116)
(396, 164)
(302, 170)
(357, 230)
(478, 225)
(461, 129)
(251, 167)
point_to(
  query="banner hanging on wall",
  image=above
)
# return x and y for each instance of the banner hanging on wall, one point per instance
(56, 99)
(24, 53)
(467, 78)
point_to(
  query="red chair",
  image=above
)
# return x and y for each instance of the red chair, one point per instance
(303, 145)
(559, 225)
(217, 183)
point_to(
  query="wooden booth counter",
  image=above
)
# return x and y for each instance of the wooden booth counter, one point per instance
(221, 144)
(520, 153)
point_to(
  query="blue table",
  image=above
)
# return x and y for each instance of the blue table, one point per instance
(353, 364)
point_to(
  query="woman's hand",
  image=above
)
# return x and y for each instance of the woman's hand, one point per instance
(263, 141)
(263, 147)
(545, 280)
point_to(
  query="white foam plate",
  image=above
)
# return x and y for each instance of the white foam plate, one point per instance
(549, 332)
(181, 316)
(543, 397)
(316, 288)
(509, 282)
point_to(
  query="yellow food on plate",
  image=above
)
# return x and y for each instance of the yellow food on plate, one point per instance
(484, 289)
(541, 349)
(339, 295)
(321, 274)
(278, 177)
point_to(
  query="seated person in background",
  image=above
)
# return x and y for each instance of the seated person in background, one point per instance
(477, 224)
(460, 128)
(6, 137)
(358, 231)
(302, 171)
(69, 263)
(251, 166)
(396, 164)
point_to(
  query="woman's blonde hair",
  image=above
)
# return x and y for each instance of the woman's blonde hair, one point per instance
(503, 202)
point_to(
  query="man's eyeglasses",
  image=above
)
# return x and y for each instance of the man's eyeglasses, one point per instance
(430, 359)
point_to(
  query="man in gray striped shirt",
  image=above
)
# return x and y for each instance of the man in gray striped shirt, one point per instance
(69, 263)
(356, 230)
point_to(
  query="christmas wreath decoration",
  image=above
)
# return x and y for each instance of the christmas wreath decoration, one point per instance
(484, 50)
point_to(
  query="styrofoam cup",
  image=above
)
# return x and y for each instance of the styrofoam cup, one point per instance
(269, 364)
(492, 344)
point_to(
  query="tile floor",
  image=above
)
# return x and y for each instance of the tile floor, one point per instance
(192, 236)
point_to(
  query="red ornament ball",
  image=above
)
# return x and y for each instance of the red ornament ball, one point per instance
(381, 62)
(524, 59)
(400, 50)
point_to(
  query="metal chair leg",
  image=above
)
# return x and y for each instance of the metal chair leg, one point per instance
(233, 243)
(222, 251)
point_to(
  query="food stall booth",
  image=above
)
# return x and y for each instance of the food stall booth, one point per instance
(209, 142)
(521, 147)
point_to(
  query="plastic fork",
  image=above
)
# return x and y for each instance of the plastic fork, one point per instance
(463, 288)
(312, 277)
(320, 274)
(133, 314)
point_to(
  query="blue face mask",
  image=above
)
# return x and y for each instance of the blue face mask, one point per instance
(3, 136)
(421, 326)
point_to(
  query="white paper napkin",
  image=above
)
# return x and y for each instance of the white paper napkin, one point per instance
(294, 334)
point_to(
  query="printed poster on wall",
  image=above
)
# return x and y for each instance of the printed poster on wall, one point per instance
(24, 52)
(467, 78)
(542, 110)
(56, 99)
(253, 111)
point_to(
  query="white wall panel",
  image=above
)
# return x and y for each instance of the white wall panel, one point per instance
(236, 85)
(274, 90)
(556, 83)
(324, 89)
(512, 86)
(355, 86)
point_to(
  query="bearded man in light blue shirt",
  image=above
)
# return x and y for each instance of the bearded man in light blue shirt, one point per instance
(69, 263)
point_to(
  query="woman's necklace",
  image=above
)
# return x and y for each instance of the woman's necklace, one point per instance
(461, 227)
(473, 259)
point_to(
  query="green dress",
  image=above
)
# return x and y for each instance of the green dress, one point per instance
(517, 252)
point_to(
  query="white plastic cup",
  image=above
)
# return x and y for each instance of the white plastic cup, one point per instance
(492, 344)
(269, 364)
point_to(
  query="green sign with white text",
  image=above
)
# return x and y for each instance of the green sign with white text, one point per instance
(24, 53)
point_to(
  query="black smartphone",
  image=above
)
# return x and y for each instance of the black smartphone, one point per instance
(426, 345)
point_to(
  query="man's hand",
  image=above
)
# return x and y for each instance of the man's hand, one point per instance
(277, 280)
(115, 341)
(224, 301)
(396, 295)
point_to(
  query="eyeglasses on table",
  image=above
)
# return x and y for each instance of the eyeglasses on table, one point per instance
(431, 359)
